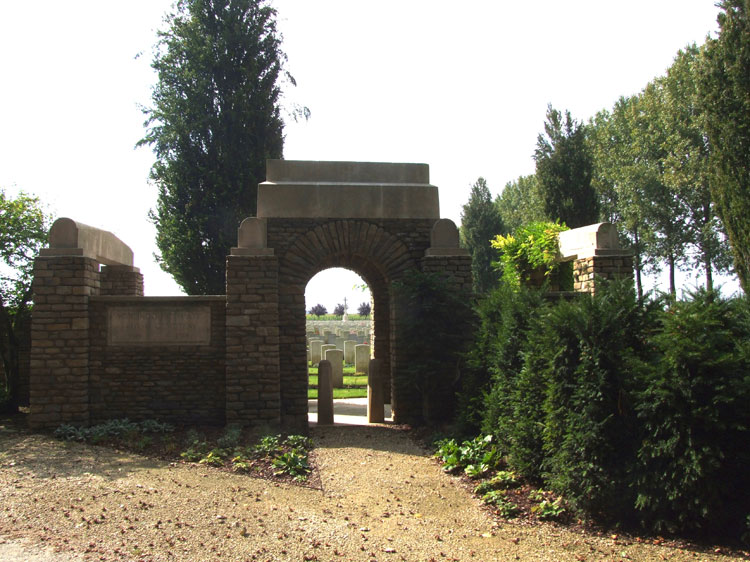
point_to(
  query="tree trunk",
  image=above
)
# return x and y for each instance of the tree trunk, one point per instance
(638, 267)
(672, 285)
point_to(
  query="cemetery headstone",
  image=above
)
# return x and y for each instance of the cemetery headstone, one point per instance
(336, 358)
(362, 358)
(349, 351)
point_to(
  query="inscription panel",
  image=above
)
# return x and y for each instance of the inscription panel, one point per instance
(159, 326)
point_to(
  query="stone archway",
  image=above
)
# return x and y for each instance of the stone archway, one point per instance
(380, 220)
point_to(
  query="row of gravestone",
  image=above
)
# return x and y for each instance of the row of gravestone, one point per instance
(338, 336)
(351, 353)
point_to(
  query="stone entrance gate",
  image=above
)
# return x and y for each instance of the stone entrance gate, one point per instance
(101, 350)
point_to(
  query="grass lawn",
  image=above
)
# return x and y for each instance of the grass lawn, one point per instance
(355, 386)
(312, 393)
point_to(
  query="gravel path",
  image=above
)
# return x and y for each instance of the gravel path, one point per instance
(379, 497)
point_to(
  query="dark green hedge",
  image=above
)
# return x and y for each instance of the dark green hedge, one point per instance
(636, 413)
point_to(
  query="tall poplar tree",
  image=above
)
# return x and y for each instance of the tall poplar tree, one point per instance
(563, 169)
(214, 121)
(520, 203)
(481, 222)
(725, 92)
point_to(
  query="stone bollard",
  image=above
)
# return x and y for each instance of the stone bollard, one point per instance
(336, 358)
(315, 355)
(361, 358)
(349, 351)
(325, 393)
(375, 405)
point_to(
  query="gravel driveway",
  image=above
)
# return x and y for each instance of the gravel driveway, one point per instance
(379, 497)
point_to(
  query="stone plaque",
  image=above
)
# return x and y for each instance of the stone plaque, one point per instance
(159, 325)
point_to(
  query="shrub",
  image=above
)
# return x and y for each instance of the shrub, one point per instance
(364, 309)
(693, 462)
(511, 407)
(530, 247)
(437, 316)
(318, 310)
(595, 350)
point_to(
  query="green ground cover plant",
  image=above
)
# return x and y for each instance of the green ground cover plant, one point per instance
(271, 455)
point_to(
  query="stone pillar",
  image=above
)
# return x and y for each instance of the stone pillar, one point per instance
(336, 358)
(121, 280)
(325, 393)
(59, 377)
(375, 404)
(588, 270)
(361, 358)
(252, 340)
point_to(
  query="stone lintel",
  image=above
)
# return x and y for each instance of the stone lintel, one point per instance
(70, 238)
(311, 171)
(348, 200)
(370, 190)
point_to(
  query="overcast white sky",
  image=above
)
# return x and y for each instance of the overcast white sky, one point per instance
(463, 88)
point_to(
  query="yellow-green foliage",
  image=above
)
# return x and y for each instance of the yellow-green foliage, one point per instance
(529, 247)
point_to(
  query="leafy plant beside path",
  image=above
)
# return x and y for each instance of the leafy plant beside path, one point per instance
(268, 456)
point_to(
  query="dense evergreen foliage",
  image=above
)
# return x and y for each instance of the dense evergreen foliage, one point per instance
(563, 171)
(480, 223)
(215, 120)
(634, 412)
(725, 99)
(438, 320)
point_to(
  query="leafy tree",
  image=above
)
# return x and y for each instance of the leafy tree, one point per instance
(364, 309)
(619, 179)
(564, 169)
(23, 231)
(520, 203)
(318, 310)
(725, 91)
(480, 223)
(687, 171)
(215, 120)
(339, 310)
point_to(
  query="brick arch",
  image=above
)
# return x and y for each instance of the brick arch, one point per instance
(368, 249)
(358, 245)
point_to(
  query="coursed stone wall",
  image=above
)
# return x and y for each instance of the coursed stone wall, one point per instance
(586, 271)
(170, 377)
(59, 363)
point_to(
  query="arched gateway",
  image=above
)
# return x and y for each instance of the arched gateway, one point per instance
(379, 220)
(100, 349)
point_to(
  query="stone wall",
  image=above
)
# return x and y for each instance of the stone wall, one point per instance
(587, 270)
(60, 339)
(252, 340)
(175, 381)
